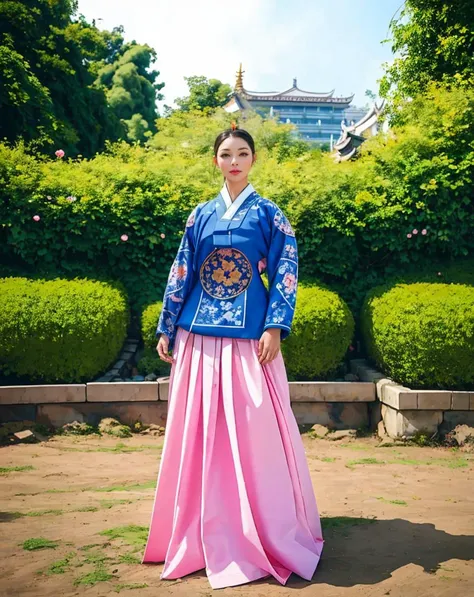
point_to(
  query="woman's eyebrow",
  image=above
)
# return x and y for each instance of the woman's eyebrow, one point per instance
(240, 149)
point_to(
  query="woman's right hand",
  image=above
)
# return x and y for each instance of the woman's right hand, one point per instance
(162, 348)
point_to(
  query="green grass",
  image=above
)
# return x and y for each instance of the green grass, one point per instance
(39, 543)
(61, 566)
(131, 534)
(395, 502)
(96, 557)
(129, 558)
(90, 546)
(134, 487)
(6, 470)
(352, 463)
(92, 578)
(135, 585)
(107, 504)
(342, 524)
(447, 462)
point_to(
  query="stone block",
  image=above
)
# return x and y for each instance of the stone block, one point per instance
(331, 391)
(17, 412)
(460, 400)
(334, 415)
(92, 412)
(42, 394)
(369, 374)
(375, 414)
(460, 417)
(398, 397)
(471, 401)
(355, 364)
(434, 400)
(142, 391)
(163, 388)
(409, 422)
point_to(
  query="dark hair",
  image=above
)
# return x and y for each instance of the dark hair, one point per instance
(240, 133)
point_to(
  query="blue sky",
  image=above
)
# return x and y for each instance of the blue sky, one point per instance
(324, 44)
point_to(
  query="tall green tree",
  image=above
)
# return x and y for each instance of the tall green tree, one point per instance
(46, 89)
(132, 89)
(434, 40)
(203, 93)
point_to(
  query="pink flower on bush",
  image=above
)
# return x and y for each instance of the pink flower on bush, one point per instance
(71, 198)
(59, 153)
(424, 231)
(162, 235)
(408, 235)
(415, 231)
(36, 218)
(262, 264)
(124, 237)
(351, 348)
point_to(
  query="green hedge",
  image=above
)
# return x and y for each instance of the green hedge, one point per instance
(60, 330)
(322, 330)
(150, 362)
(422, 334)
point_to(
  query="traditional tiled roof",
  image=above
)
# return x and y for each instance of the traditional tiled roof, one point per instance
(293, 94)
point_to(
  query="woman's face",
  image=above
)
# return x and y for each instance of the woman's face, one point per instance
(234, 159)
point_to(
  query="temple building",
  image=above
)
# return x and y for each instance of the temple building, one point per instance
(354, 135)
(318, 116)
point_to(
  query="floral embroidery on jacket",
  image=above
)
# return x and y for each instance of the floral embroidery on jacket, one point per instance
(223, 313)
(282, 223)
(225, 273)
(287, 285)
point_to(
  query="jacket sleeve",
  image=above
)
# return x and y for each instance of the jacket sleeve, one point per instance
(179, 283)
(282, 271)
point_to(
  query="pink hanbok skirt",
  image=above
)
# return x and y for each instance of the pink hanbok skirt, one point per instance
(234, 494)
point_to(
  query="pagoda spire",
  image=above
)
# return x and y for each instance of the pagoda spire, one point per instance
(239, 85)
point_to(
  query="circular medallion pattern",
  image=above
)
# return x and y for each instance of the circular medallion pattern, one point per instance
(225, 273)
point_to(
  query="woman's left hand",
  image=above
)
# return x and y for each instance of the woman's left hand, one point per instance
(269, 345)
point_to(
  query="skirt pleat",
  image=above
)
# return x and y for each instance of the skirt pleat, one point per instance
(234, 494)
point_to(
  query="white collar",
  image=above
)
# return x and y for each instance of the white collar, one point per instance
(233, 206)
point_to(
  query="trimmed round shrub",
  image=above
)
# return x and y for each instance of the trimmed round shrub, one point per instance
(422, 334)
(321, 333)
(149, 322)
(60, 330)
(150, 362)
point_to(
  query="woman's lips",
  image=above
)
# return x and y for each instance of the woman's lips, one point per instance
(235, 171)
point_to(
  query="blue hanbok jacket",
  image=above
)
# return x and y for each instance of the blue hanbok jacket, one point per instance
(214, 286)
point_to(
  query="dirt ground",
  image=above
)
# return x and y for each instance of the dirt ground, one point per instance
(397, 521)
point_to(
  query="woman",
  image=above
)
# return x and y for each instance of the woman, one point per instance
(234, 495)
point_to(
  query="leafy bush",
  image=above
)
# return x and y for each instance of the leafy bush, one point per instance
(149, 322)
(322, 330)
(422, 334)
(150, 362)
(60, 330)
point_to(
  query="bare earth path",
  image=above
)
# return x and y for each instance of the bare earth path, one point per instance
(398, 521)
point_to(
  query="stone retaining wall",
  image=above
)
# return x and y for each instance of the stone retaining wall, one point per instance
(406, 412)
(338, 405)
